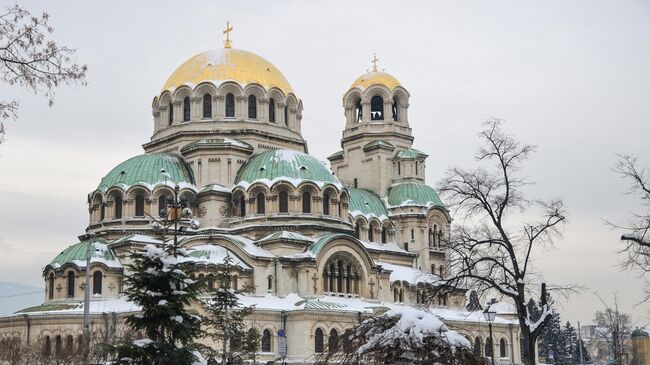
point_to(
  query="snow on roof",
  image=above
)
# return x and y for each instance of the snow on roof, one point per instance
(388, 247)
(503, 308)
(409, 274)
(97, 306)
(76, 255)
(248, 245)
(212, 254)
(140, 238)
(285, 235)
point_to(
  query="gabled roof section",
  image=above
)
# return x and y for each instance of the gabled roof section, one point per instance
(217, 143)
(294, 167)
(413, 194)
(214, 187)
(336, 156)
(366, 203)
(285, 236)
(409, 275)
(213, 255)
(410, 153)
(150, 170)
(378, 144)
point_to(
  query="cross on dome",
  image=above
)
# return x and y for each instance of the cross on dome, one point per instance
(374, 62)
(229, 28)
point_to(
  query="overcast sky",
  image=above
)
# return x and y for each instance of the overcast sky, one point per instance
(569, 76)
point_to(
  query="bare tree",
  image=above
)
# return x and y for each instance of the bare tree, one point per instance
(637, 236)
(493, 250)
(613, 329)
(29, 58)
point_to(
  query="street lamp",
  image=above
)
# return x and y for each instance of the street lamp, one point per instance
(489, 317)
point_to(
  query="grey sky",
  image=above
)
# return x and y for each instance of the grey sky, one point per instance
(570, 77)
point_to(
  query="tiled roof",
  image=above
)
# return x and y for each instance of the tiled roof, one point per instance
(149, 169)
(367, 203)
(76, 254)
(411, 193)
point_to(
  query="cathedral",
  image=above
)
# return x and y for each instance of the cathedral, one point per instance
(324, 245)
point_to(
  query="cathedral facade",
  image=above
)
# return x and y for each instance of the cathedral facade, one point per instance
(323, 247)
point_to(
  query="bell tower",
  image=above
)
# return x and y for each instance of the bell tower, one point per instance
(376, 128)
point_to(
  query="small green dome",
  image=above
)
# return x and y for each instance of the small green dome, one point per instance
(366, 203)
(294, 167)
(149, 170)
(413, 194)
(76, 255)
(640, 333)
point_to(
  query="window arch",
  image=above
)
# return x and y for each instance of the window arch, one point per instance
(71, 284)
(333, 342)
(318, 341)
(242, 206)
(478, 346)
(207, 106)
(58, 345)
(230, 105)
(118, 206)
(69, 345)
(186, 109)
(139, 205)
(431, 237)
(357, 231)
(97, 282)
(170, 114)
(47, 346)
(395, 295)
(260, 200)
(342, 274)
(286, 115)
(51, 286)
(326, 204)
(269, 282)
(401, 295)
(102, 211)
(252, 107)
(271, 110)
(306, 202)
(502, 348)
(266, 341)
(162, 205)
(377, 108)
(359, 111)
(395, 107)
(283, 198)
(384, 236)
(371, 235)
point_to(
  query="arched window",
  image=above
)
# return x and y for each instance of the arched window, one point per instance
(306, 202)
(384, 237)
(333, 342)
(58, 346)
(439, 237)
(139, 205)
(269, 282)
(377, 108)
(170, 114)
(102, 211)
(406, 246)
(186, 109)
(359, 111)
(47, 346)
(242, 206)
(357, 231)
(395, 295)
(416, 168)
(441, 269)
(260, 203)
(97, 282)
(395, 109)
(318, 341)
(162, 205)
(342, 274)
(401, 295)
(435, 239)
(284, 201)
(326, 204)
(399, 168)
(431, 237)
(51, 286)
(118, 207)
(478, 346)
(252, 107)
(266, 341)
(371, 236)
(286, 115)
(502, 348)
(488, 347)
(433, 268)
(70, 284)
(271, 110)
(69, 345)
(230, 105)
(207, 106)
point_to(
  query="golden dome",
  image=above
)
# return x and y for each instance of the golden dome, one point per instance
(375, 78)
(228, 64)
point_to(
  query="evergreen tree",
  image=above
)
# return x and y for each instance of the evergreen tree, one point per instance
(474, 302)
(160, 285)
(570, 349)
(225, 318)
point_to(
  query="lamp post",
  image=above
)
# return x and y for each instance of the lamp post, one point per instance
(489, 317)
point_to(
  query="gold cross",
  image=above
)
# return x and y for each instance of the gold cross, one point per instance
(374, 62)
(227, 31)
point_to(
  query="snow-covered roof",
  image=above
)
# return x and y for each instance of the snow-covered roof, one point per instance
(213, 255)
(139, 238)
(386, 247)
(285, 235)
(503, 308)
(97, 306)
(247, 245)
(409, 274)
(76, 255)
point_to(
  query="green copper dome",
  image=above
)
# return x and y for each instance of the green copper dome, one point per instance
(294, 167)
(149, 170)
(413, 194)
(366, 203)
(76, 254)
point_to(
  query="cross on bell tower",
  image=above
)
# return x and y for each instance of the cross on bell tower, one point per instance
(229, 28)
(374, 62)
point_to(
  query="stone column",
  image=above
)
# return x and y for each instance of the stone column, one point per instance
(365, 110)
(178, 112)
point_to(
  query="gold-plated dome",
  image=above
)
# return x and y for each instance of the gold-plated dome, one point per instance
(228, 64)
(375, 78)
